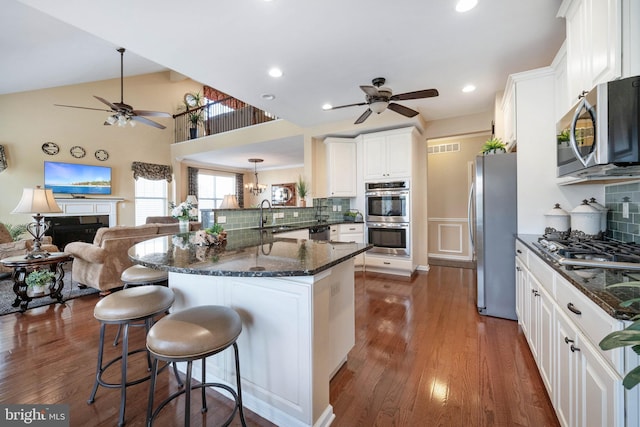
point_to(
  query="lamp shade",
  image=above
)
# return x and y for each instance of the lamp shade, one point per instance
(191, 199)
(37, 200)
(378, 106)
(229, 202)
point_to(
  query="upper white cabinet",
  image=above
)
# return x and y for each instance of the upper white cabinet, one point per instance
(388, 154)
(341, 171)
(509, 114)
(602, 42)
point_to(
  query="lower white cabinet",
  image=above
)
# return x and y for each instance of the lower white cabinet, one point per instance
(584, 384)
(296, 234)
(350, 233)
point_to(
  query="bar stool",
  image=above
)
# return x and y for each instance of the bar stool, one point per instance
(124, 308)
(138, 275)
(195, 334)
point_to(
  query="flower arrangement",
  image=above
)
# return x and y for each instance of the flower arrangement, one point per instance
(37, 279)
(182, 211)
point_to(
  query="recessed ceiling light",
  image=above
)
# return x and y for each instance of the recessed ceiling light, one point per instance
(465, 5)
(268, 96)
(275, 72)
(469, 88)
(327, 107)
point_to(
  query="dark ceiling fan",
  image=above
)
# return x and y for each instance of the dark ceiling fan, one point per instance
(124, 113)
(379, 97)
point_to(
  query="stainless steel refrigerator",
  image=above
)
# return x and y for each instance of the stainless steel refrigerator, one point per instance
(494, 193)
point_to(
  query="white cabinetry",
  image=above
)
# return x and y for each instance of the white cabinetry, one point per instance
(352, 233)
(341, 167)
(296, 234)
(387, 155)
(509, 114)
(563, 328)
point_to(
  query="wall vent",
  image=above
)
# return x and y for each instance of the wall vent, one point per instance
(444, 148)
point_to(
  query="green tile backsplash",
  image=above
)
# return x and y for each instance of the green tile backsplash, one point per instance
(619, 227)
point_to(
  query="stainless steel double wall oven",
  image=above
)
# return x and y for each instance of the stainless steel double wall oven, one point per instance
(387, 217)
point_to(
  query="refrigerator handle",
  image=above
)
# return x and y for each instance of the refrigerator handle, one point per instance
(470, 216)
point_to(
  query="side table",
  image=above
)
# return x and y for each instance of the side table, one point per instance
(23, 266)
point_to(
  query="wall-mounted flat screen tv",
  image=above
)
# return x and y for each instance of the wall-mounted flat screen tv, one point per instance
(72, 178)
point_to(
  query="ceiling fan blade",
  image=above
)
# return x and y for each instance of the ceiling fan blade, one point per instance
(359, 104)
(104, 101)
(419, 94)
(401, 109)
(363, 117)
(370, 90)
(147, 122)
(83, 108)
(150, 113)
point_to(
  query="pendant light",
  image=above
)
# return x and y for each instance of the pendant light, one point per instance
(255, 188)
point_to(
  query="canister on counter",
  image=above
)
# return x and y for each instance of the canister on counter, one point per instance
(585, 222)
(603, 214)
(557, 223)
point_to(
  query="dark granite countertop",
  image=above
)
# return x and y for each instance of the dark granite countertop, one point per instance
(283, 228)
(247, 253)
(595, 282)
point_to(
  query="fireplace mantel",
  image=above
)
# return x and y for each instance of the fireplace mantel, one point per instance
(89, 206)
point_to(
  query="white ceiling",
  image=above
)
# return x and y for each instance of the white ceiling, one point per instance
(326, 48)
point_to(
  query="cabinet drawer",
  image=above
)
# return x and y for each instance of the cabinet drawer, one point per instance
(521, 252)
(390, 264)
(351, 228)
(542, 272)
(594, 322)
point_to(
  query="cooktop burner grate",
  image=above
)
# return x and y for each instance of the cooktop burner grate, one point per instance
(596, 251)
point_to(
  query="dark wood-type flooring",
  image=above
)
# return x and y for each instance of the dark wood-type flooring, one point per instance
(423, 357)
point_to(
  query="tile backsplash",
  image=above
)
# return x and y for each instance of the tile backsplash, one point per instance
(623, 218)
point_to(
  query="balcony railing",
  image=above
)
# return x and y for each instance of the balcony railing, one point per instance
(217, 117)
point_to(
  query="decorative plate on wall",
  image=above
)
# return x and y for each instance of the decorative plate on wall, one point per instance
(50, 148)
(77, 152)
(102, 155)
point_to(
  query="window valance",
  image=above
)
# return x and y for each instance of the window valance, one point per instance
(151, 171)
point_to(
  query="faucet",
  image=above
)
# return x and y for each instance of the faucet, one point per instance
(263, 220)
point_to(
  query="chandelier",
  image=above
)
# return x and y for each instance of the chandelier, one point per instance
(255, 188)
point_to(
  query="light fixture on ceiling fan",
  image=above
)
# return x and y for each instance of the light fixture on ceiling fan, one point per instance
(255, 188)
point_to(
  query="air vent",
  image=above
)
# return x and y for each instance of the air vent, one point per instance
(444, 148)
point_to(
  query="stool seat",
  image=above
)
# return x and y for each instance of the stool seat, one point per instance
(133, 303)
(140, 275)
(194, 332)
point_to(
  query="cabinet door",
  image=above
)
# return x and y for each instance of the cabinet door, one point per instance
(605, 55)
(342, 169)
(566, 373)
(601, 394)
(375, 164)
(521, 285)
(531, 310)
(546, 338)
(398, 156)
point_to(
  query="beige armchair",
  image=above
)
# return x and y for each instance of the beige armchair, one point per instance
(9, 247)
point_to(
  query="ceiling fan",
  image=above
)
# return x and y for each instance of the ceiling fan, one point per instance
(121, 113)
(379, 97)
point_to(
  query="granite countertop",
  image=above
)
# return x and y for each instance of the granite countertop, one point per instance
(594, 282)
(247, 253)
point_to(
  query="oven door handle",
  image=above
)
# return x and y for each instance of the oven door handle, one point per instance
(386, 225)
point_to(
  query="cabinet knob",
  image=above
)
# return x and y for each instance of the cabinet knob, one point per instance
(518, 268)
(518, 251)
(572, 308)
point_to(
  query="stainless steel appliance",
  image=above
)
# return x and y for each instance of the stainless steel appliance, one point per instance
(389, 238)
(493, 228)
(602, 132)
(387, 202)
(320, 232)
(596, 253)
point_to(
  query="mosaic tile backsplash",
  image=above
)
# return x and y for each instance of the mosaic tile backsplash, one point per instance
(235, 219)
(616, 196)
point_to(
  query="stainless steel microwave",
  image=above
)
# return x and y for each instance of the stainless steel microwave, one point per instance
(601, 133)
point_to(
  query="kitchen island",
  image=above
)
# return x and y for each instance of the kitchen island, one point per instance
(296, 301)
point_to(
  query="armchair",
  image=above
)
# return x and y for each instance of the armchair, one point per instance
(9, 247)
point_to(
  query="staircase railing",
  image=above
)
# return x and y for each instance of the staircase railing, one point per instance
(217, 117)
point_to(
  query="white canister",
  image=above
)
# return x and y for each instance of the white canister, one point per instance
(557, 220)
(603, 213)
(585, 221)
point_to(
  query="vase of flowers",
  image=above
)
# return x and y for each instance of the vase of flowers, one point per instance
(38, 279)
(183, 212)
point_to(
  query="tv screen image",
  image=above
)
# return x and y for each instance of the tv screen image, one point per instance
(72, 178)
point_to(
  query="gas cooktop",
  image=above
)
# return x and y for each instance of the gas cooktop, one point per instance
(605, 253)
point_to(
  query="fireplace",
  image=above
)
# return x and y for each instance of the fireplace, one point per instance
(67, 229)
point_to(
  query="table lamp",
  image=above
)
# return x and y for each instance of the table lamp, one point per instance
(37, 201)
(229, 202)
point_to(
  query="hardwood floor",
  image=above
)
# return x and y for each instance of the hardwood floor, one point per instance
(423, 357)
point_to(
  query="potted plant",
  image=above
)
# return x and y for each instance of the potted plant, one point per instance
(192, 104)
(493, 146)
(37, 280)
(195, 118)
(303, 190)
(630, 336)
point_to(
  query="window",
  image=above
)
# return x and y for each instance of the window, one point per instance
(213, 187)
(150, 199)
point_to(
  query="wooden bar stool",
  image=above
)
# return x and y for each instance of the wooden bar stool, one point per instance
(124, 308)
(195, 334)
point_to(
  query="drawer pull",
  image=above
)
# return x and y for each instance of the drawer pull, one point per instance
(572, 308)
(535, 293)
(567, 340)
(386, 263)
(518, 251)
(574, 348)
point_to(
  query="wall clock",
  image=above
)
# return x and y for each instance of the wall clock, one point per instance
(102, 155)
(191, 100)
(50, 148)
(77, 152)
